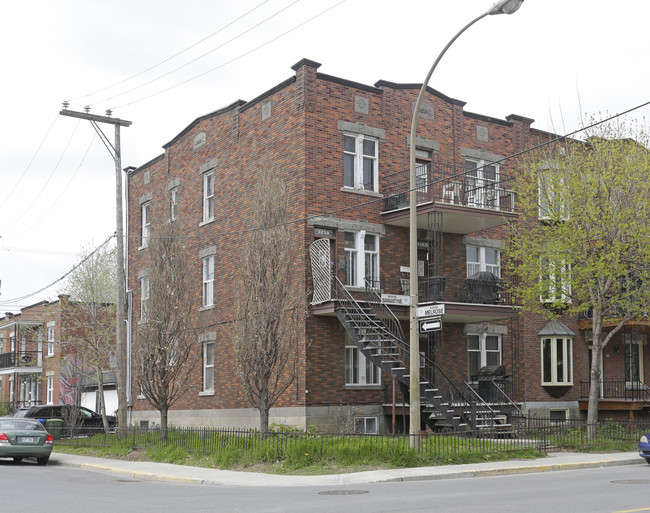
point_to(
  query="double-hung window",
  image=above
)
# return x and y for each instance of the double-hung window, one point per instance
(557, 360)
(208, 281)
(208, 197)
(358, 369)
(555, 281)
(481, 259)
(208, 367)
(360, 162)
(50, 390)
(173, 204)
(552, 198)
(50, 339)
(361, 259)
(482, 349)
(145, 217)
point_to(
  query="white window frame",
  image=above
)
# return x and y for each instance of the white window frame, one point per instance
(145, 294)
(483, 351)
(50, 339)
(39, 348)
(12, 342)
(207, 281)
(481, 265)
(208, 196)
(359, 370)
(208, 366)
(145, 217)
(558, 373)
(560, 284)
(173, 204)
(548, 198)
(366, 425)
(357, 159)
(49, 390)
(634, 342)
(361, 262)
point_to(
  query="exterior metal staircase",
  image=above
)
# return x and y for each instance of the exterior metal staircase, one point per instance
(377, 333)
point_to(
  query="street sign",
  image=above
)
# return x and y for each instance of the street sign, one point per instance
(431, 311)
(395, 299)
(112, 359)
(433, 324)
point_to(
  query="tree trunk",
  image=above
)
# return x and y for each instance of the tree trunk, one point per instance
(264, 417)
(102, 402)
(163, 422)
(594, 375)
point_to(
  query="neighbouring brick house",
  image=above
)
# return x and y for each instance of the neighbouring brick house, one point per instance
(38, 364)
(344, 149)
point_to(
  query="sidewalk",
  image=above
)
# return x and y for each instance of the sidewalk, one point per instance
(149, 471)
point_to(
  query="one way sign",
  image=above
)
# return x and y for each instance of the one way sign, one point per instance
(434, 324)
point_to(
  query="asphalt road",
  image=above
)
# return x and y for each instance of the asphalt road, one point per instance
(55, 488)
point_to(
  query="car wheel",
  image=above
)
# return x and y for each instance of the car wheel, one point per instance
(43, 460)
(17, 459)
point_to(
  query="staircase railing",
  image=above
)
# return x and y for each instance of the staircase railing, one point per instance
(383, 312)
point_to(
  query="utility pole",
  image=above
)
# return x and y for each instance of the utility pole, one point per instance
(115, 151)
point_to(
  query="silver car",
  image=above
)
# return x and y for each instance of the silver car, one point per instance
(24, 438)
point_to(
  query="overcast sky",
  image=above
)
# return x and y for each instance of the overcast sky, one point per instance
(161, 64)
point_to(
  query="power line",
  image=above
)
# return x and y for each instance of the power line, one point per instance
(173, 56)
(74, 268)
(197, 58)
(240, 56)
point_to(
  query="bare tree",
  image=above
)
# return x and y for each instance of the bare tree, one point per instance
(269, 302)
(164, 350)
(90, 318)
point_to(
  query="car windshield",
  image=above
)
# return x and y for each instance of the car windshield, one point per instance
(28, 425)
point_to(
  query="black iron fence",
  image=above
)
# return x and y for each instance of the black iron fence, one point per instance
(20, 359)
(536, 433)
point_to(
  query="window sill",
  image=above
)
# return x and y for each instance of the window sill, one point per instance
(49, 356)
(206, 307)
(362, 191)
(208, 221)
(363, 387)
(351, 288)
(143, 247)
(206, 393)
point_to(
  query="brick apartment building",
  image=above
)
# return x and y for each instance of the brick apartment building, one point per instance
(343, 148)
(38, 365)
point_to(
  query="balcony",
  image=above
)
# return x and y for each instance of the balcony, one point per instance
(21, 361)
(470, 202)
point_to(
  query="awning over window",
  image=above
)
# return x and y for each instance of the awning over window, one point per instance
(556, 329)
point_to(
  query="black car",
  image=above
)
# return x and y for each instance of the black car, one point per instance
(79, 417)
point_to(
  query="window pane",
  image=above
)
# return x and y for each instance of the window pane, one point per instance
(493, 358)
(492, 343)
(472, 253)
(349, 144)
(470, 168)
(546, 361)
(350, 240)
(348, 170)
(369, 147)
(473, 342)
(369, 243)
(490, 173)
(368, 174)
(491, 256)
(559, 349)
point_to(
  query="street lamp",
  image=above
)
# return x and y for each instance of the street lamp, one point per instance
(501, 7)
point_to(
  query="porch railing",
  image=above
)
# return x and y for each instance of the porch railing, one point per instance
(21, 359)
(618, 389)
(451, 185)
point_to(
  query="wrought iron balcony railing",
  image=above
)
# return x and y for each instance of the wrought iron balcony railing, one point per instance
(21, 359)
(618, 389)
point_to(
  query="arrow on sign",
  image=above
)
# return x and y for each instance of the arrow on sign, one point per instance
(431, 325)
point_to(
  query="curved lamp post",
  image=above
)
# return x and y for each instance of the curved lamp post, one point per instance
(501, 7)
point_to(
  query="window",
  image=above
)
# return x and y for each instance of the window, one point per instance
(12, 342)
(144, 299)
(146, 223)
(208, 281)
(634, 343)
(422, 165)
(482, 349)
(557, 358)
(173, 204)
(360, 167)
(552, 204)
(366, 425)
(50, 390)
(481, 259)
(358, 369)
(208, 367)
(39, 349)
(554, 282)
(361, 259)
(481, 184)
(50, 339)
(208, 197)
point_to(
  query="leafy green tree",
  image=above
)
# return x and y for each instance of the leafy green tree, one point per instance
(581, 244)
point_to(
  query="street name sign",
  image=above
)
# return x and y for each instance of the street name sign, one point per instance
(431, 311)
(395, 299)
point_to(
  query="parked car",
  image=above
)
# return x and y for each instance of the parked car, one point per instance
(24, 438)
(644, 447)
(79, 417)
